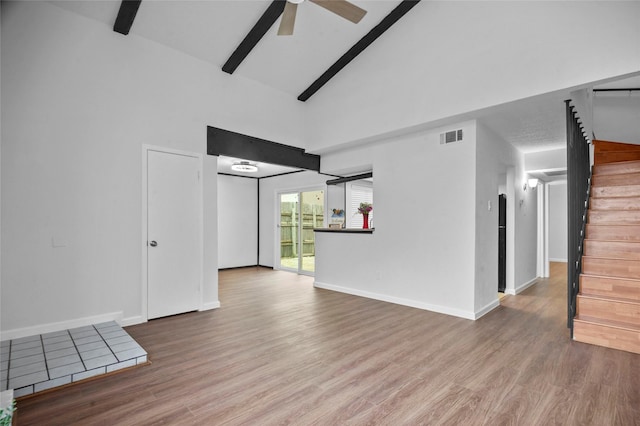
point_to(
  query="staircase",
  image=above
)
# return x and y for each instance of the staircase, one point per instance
(608, 305)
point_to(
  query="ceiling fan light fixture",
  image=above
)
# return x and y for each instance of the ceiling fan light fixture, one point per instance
(244, 166)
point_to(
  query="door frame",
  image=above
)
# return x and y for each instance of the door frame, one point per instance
(277, 232)
(143, 234)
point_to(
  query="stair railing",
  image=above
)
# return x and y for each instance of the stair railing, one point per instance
(578, 187)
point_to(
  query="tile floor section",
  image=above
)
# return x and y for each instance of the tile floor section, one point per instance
(36, 363)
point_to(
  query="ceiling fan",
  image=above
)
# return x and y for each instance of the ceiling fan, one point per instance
(343, 8)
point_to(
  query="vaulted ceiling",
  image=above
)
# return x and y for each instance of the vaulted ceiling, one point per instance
(212, 30)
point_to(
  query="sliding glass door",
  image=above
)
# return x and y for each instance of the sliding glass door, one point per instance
(300, 213)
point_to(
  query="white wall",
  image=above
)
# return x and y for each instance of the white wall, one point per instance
(558, 221)
(483, 65)
(269, 206)
(78, 102)
(421, 253)
(616, 117)
(237, 221)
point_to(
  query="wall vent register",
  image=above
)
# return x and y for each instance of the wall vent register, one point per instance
(452, 136)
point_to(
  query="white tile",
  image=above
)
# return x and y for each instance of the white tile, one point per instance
(107, 324)
(25, 352)
(141, 359)
(5, 343)
(121, 365)
(91, 346)
(131, 353)
(25, 339)
(124, 346)
(65, 370)
(88, 339)
(61, 353)
(51, 383)
(19, 362)
(56, 339)
(90, 373)
(86, 333)
(29, 379)
(114, 333)
(27, 369)
(95, 353)
(55, 334)
(60, 345)
(64, 360)
(100, 361)
(27, 390)
(26, 345)
(120, 339)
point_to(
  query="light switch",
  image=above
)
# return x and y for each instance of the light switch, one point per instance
(489, 205)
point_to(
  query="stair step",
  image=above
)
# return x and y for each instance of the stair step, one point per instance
(612, 249)
(620, 203)
(613, 232)
(615, 157)
(615, 191)
(621, 268)
(609, 308)
(614, 217)
(596, 285)
(610, 334)
(617, 168)
(616, 179)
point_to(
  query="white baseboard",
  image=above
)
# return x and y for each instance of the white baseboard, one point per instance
(521, 287)
(210, 305)
(398, 301)
(126, 322)
(62, 325)
(487, 308)
(558, 260)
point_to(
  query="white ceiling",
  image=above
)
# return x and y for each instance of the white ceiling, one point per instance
(211, 31)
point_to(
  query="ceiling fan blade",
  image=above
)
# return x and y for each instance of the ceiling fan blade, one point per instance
(288, 19)
(348, 11)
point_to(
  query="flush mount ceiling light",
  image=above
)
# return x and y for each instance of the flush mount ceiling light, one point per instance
(244, 166)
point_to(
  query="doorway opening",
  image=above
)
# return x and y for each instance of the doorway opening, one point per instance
(300, 213)
(502, 245)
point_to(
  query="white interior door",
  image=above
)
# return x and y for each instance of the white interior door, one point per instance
(174, 249)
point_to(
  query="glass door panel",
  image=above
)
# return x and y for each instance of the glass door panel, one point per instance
(312, 215)
(289, 233)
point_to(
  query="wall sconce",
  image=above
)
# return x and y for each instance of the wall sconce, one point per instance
(530, 183)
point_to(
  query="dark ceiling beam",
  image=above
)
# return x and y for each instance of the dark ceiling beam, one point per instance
(357, 48)
(266, 21)
(126, 15)
(232, 144)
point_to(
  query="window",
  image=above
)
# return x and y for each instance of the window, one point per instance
(358, 192)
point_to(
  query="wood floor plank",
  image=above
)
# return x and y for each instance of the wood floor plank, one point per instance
(279, 351)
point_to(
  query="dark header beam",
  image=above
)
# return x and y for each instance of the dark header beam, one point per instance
(258, 31)
(126, 15)
(232, 144)
(350, 178)
(357, 48)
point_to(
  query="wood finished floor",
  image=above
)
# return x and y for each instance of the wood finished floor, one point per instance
(279, 351)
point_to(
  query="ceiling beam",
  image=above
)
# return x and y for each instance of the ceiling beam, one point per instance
(232, 144)
(126, 15)
(357, 48)
(258, 31)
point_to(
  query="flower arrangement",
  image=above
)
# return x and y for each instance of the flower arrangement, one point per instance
(365, 208)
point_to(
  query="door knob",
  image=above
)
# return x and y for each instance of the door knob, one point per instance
(153, 243)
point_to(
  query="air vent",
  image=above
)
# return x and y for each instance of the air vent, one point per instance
(452, 136)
